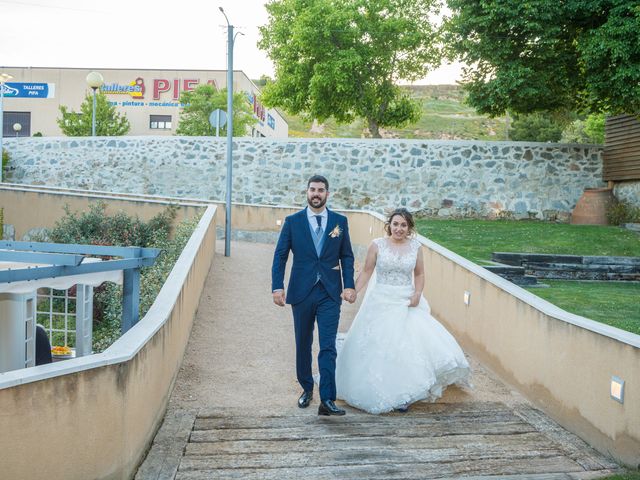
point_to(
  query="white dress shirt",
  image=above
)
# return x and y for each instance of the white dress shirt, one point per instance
(311, 216)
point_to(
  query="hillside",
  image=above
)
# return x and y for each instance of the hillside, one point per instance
(444, 117)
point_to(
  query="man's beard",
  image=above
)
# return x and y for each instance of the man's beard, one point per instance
(321, 204)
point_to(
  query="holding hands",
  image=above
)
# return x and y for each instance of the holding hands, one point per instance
(415, 299)
(349, 294)
(279, 298)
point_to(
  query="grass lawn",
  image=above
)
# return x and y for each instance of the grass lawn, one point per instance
(613, 303)
(624, 476)
(476, 239)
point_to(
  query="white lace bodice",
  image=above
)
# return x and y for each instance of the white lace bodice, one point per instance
(395, 264)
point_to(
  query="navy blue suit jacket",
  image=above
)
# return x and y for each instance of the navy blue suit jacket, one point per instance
(335, 263)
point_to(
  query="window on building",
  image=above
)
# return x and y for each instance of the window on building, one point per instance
(160, 122)
(256, 133)
(16, 124)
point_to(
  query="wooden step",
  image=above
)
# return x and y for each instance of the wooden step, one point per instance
(477, 440)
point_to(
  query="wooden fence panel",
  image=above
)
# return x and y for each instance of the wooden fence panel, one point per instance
(622, 148)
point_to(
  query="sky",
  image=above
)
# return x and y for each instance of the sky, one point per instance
(145, 34)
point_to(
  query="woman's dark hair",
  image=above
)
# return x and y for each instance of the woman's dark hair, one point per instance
(318, 178)
(404, 213)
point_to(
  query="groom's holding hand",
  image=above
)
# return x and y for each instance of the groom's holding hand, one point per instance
(319, 241)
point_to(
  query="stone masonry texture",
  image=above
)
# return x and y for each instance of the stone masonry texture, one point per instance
(444, 178)
(628, 192)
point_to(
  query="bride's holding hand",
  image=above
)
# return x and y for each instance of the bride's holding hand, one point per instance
(396, 353)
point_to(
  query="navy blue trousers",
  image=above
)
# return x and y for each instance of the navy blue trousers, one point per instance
(320, 307)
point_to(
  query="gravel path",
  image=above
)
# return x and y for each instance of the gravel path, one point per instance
(242, 351)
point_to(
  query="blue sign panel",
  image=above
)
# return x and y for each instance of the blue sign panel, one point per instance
(29, 90)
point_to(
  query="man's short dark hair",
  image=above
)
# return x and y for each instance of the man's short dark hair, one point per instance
(319, 178)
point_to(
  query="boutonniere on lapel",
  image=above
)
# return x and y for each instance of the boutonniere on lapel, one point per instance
(335, 233)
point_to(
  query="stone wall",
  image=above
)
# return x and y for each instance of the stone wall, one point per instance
(445, 178)
(628, 192)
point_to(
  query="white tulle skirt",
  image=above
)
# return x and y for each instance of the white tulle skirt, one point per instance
(394, 355)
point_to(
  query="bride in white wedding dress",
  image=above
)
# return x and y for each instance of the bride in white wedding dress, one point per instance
(395, 352)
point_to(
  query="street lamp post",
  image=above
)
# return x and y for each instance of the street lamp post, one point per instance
(227, 222)
(95, 81)
(16, 128)
(4, 78)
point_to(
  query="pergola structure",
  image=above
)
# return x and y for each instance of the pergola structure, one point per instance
(61, 259)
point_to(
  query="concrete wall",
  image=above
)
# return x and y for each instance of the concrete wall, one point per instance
(445, 178)
(94, 417)
(28, 208)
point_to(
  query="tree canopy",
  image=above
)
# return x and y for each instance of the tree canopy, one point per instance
(537, 55)
(535, 127)
(108, 121)
(204, 99)
(344, 58)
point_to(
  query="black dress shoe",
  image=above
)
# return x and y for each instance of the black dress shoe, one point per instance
(327, 407)
(305, 399)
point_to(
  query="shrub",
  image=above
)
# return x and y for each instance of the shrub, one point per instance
(589, 130)
(5, 159)
(95, 227)
(536, 127)
(152, 278)
(622, 212)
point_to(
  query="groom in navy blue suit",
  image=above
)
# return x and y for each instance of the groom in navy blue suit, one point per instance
(322, 265)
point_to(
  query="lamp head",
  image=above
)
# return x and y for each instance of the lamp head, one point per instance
(225, 15)
(5, 77)
(95, 80)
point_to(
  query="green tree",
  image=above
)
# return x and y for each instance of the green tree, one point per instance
(574, 133)
(343, 58)
(589, 130)
(108, 122)
(535, 127)
(545, 55)
(594, 127)
(204, 99)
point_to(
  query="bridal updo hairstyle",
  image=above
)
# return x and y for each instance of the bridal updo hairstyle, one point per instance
(404, 213)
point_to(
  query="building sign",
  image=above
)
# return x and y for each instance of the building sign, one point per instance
(175, 86)
(29, 90)
(258, 109)
(159, 87)
(135, 88)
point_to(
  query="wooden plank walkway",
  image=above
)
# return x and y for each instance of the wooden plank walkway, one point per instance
(431, 441)
(233, 412)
